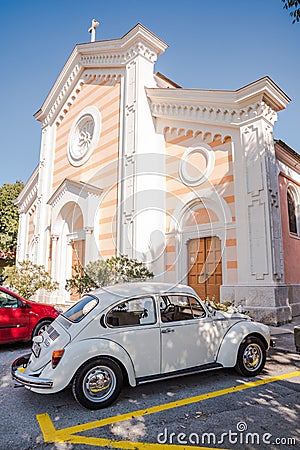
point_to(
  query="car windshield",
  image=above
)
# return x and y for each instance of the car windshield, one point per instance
(78, 311)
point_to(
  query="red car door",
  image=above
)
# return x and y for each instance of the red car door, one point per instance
(14, 318)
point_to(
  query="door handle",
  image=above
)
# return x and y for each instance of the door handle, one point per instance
(167, 330)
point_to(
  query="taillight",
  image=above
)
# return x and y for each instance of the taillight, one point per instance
(56, 357)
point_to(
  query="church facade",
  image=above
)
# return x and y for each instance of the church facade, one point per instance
(189, 181)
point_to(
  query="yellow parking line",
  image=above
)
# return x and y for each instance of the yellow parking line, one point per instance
(102, 442)
(50, 434)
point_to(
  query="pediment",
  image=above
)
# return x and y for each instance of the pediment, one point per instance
(110, 57)
(70, 190)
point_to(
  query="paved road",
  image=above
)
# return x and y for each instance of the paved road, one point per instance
(257, 417)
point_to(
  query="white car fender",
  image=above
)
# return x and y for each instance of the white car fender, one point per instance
(78, 353)
(228, 351)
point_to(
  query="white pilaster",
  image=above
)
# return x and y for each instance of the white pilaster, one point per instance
(259, 243)
(258, 219)
(43, 194)
(142, 202)
(22, 237)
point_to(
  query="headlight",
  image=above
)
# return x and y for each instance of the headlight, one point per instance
(58, 309)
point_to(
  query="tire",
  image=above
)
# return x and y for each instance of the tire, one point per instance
(251, 357)
(41, 327)
(98, 383)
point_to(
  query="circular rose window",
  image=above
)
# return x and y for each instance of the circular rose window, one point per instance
(84, 136)
(196, 165)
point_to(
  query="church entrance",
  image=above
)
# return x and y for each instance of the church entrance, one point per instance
(205, 267)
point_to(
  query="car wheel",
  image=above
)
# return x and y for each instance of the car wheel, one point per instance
(251, 357)
(41, 327)
(98, 383)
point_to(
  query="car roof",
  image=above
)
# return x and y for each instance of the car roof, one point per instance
(116, 292)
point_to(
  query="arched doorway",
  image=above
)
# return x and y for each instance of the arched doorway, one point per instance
(74, 229)
(68, 245)
(202, 241)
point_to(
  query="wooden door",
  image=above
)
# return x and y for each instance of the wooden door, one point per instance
(205, 267)
(78, 255)
(78, 251)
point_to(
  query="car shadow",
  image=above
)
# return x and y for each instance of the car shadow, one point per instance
(15, 346)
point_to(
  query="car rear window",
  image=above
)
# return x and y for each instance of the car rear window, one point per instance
(81, 309)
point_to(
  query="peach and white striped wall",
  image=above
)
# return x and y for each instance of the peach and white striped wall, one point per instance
(200, 216)
(102, 167)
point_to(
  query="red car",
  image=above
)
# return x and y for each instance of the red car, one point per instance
(21, 319)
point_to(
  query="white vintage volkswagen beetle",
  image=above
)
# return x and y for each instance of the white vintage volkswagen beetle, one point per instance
(138, 332)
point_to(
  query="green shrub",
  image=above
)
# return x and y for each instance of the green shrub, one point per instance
(27, 278)
(117, 269)
(80, 282)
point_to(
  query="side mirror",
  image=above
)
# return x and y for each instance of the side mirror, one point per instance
(25, 305)
(212, 312)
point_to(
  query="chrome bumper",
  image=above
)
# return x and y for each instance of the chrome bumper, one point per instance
(28, 380)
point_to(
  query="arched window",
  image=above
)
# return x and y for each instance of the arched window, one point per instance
(292, 212)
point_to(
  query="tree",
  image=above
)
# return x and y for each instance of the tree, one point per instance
(27, 278)
(294, 7)
(123, 269)
(118, 269)
(9, 220)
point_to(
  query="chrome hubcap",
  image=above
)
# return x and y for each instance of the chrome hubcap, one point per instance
(99, 383)
(252, 357)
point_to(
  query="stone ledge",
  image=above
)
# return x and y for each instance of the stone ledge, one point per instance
(267, 304)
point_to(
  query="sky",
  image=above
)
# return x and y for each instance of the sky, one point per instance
(220, 44)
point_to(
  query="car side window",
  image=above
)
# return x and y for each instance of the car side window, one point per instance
(9, 301)
(197, 308)
(137, 311)
(175, 308)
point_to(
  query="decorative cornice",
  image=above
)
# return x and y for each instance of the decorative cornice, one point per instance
(117, 58)
(66, 97)
(113, 55)
(89, 76)
(194, 131)
(78, 188)
(212, 114)
(259, 99)
(267, 90)
(28, 195)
